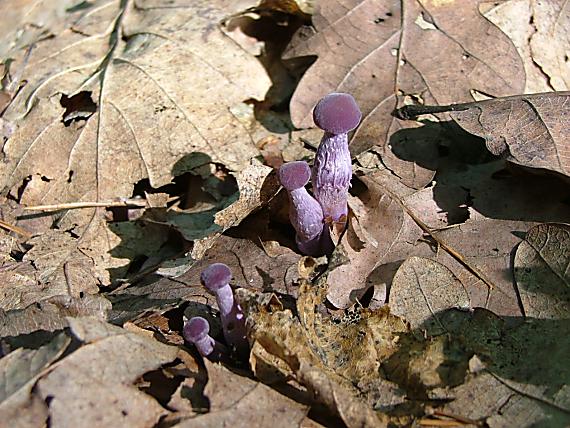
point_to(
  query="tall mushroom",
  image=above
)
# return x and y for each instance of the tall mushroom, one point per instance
(336, 114)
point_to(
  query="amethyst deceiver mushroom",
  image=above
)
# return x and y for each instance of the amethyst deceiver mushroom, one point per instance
(305, 213)
(337, 114)
(216, 278)
(196, 331)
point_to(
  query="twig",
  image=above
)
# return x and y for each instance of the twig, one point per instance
(459, 418)
(76, 205)
(15, 229)
(425, 422)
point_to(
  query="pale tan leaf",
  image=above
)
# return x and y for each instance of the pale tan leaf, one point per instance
(103, 370)
(550, 44)
(61, 265)
(27, 21)
(517, 20)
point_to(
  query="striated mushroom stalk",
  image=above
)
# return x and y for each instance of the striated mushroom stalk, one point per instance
(305, 212)
(216, 278)
(196, 331)
(337, 114)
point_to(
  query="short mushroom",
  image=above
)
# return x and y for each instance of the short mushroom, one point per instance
(196, 331)
(216, 278)
(337, 114)
(305, 212)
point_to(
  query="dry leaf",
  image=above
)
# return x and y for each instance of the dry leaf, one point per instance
(516, 18)
(530, 130)
(156, 94)
(329, 357)
(381, 52)
(61, 265)
(541, 271)
(379, 233)
(18, 373)
(102, 372)
(240, 402)
(421, 288)
(28, 21)
(549, 44)
(50, 314)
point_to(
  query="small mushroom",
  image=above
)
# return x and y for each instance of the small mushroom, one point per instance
(216, 278)
(305, 212)
(196, 331)
(337, 114)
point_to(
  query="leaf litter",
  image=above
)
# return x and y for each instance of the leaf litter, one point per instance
(446, 298)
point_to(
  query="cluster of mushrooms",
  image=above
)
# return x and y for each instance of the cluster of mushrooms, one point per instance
(311, 216)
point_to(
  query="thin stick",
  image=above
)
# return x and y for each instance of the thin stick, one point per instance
(15, 229)
(459, 418)
(76, 205)
(439, 423)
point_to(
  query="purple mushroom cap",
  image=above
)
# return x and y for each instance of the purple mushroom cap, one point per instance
(337, 113)
(216, 276)
(196, 329)
(294, 175)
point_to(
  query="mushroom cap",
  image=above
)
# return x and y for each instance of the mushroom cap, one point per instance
(294, 175)
(337, 113)
(216, 276)
(196, 329)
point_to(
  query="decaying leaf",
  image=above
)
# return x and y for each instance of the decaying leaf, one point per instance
(381, 52)
(102, 373)
(541, 271)
(329, 357)
(421, 288)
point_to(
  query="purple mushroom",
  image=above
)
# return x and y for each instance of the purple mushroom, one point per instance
(196, 331)
(305, 213)
(216, 278)
(336, 114)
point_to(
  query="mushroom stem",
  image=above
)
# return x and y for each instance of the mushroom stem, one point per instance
(331, 176)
